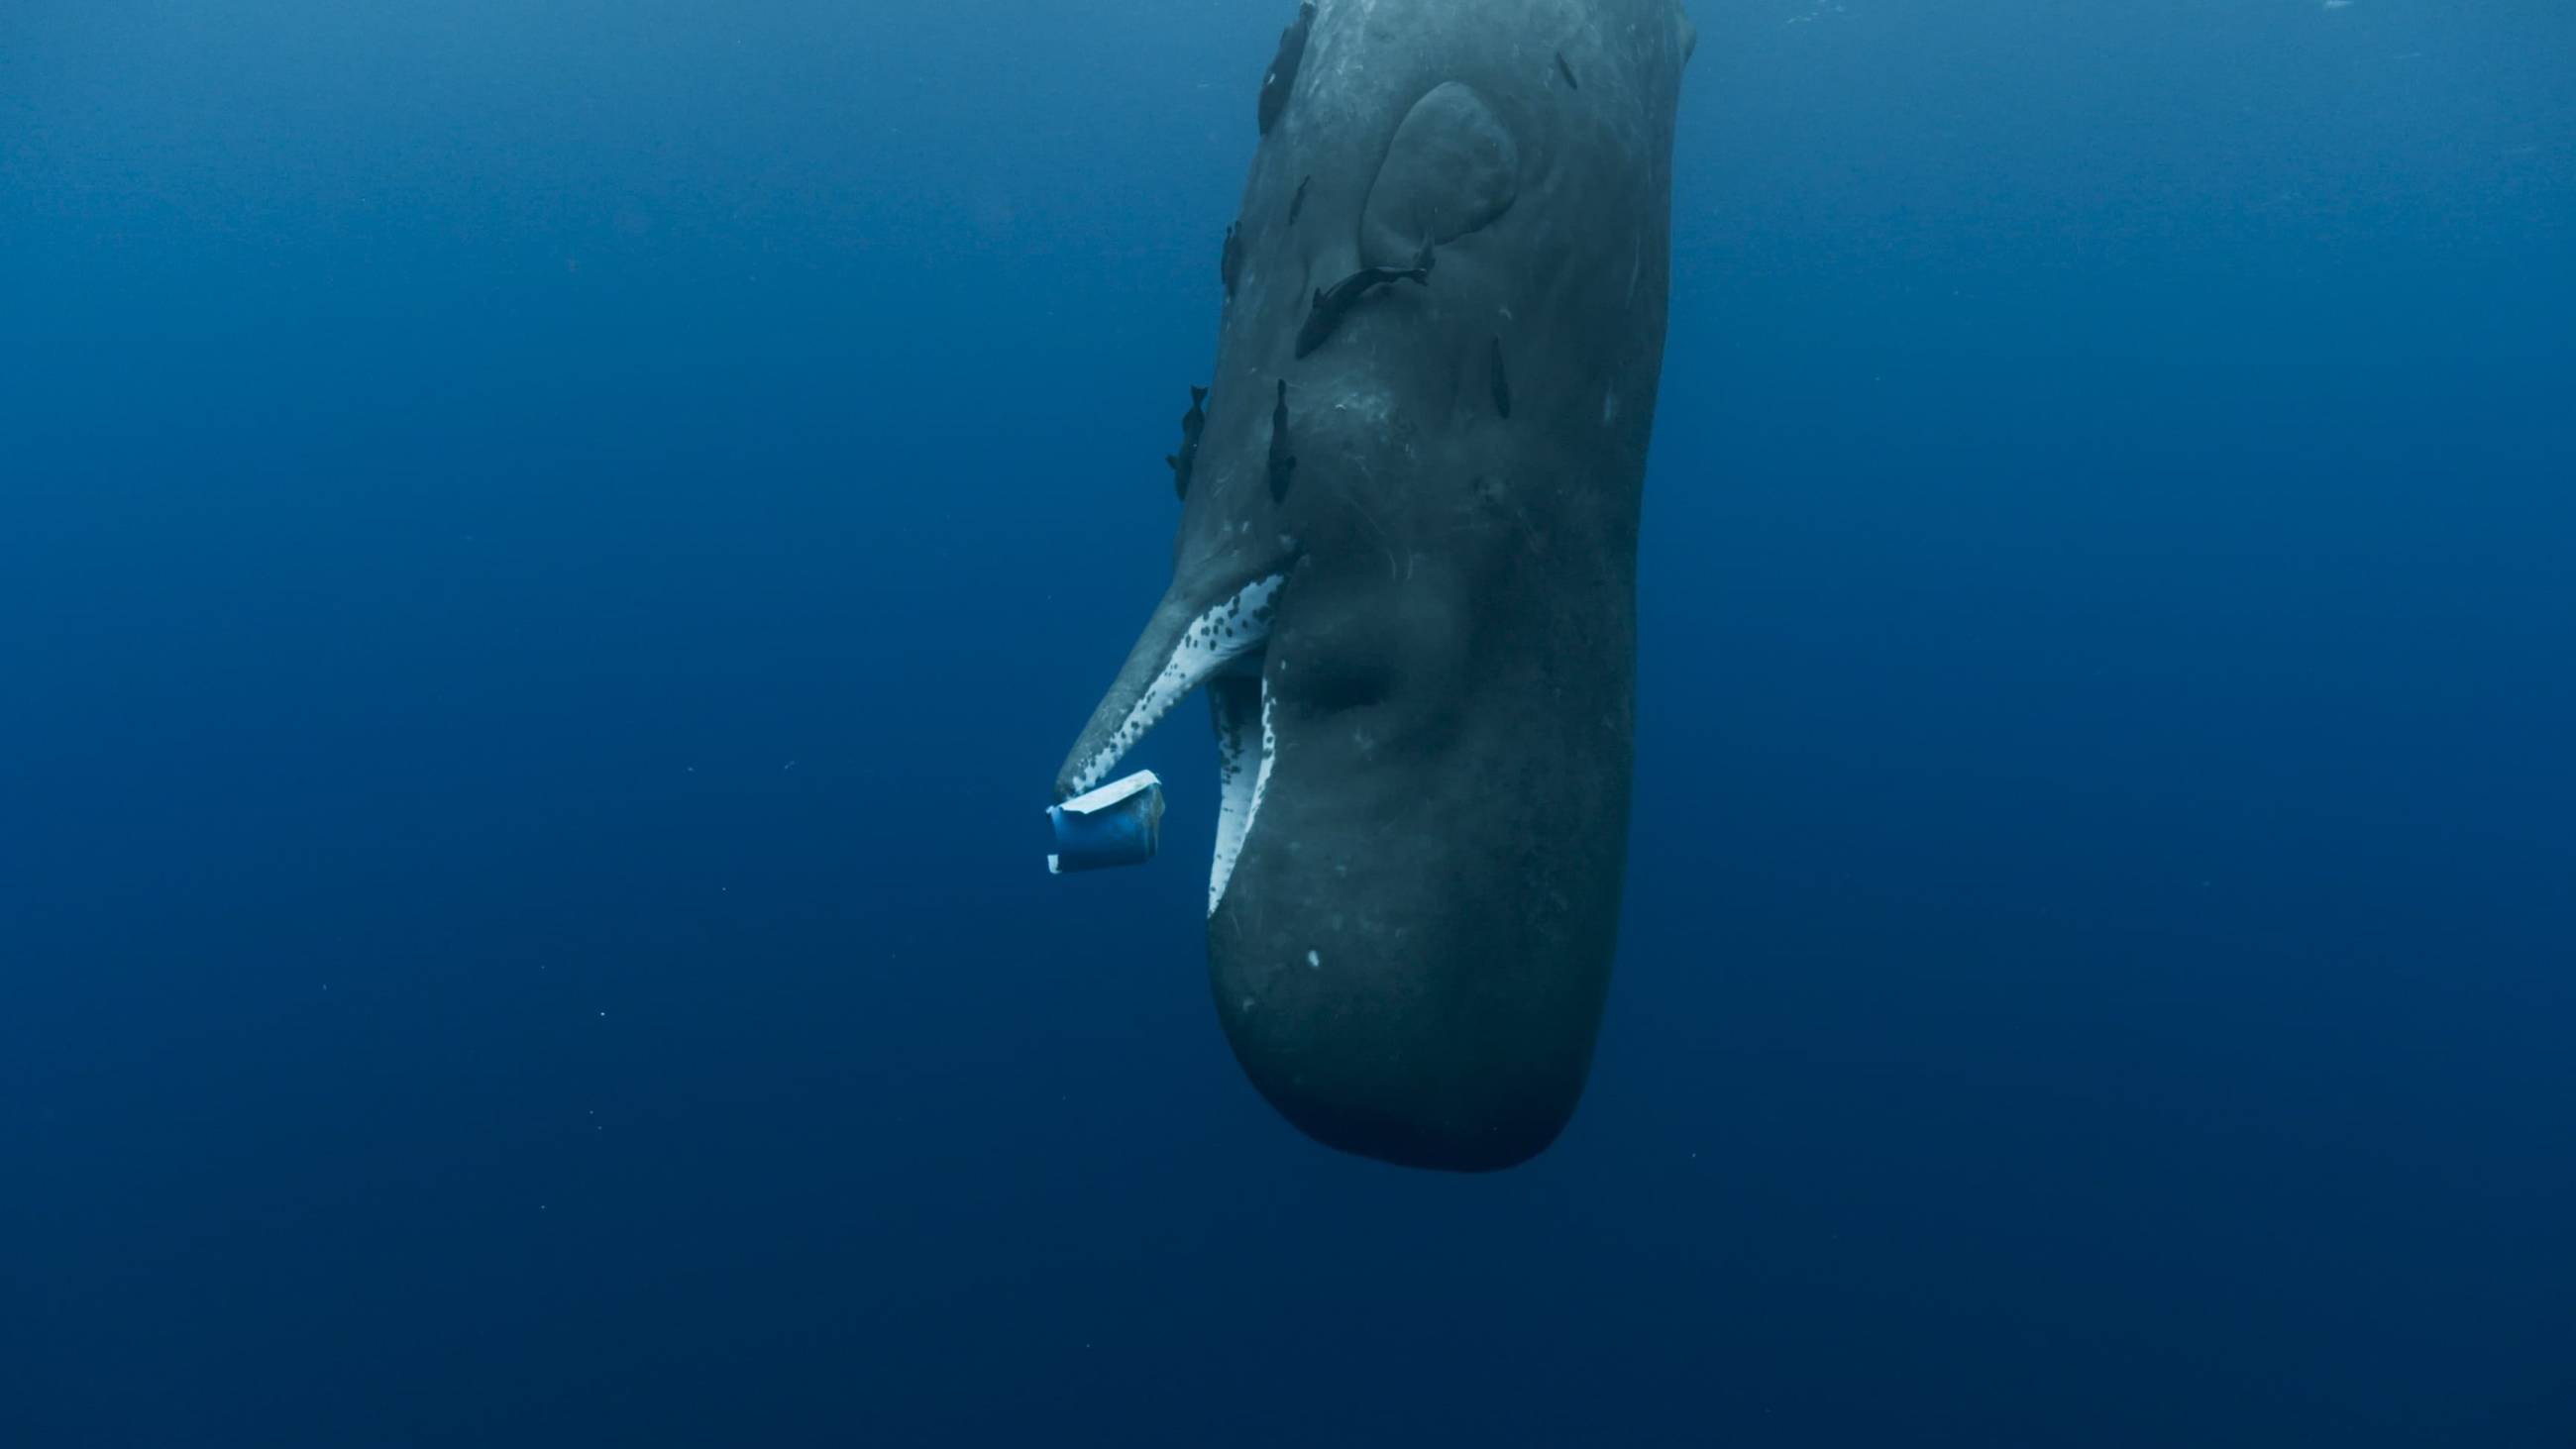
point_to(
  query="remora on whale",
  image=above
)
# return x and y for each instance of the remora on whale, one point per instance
(1409, 588)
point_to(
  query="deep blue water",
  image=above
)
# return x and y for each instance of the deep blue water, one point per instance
(549, 553)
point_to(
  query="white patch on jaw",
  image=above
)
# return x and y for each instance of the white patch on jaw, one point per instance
(1214, 639)
(1241, 789)
(1234, 769)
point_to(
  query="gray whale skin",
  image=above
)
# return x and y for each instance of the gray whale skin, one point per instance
(1406, 578)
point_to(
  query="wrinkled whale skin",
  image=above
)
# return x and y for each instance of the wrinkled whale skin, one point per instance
(1411, 954)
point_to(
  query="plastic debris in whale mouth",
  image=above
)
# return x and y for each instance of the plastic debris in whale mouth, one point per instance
(1118, 824)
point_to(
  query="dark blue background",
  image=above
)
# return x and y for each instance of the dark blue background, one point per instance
(547, 554)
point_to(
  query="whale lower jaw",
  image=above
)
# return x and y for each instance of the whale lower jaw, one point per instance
(1221, 649)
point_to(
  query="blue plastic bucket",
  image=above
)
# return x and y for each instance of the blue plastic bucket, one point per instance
(1118, 824)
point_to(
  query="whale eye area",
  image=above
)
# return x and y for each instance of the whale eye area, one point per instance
(1340, 663)
(1331, 681)
(1374, 640)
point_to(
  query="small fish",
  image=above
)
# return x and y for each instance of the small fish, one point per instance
(1332, 302)
(1280, 81)
(1193, 423)
(1567, 71)
(1230, 262)
(1297, 203)
(1283, 464)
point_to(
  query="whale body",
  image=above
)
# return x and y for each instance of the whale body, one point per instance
(1406, 582)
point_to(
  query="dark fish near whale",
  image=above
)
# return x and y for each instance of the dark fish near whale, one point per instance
(1334, 302)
